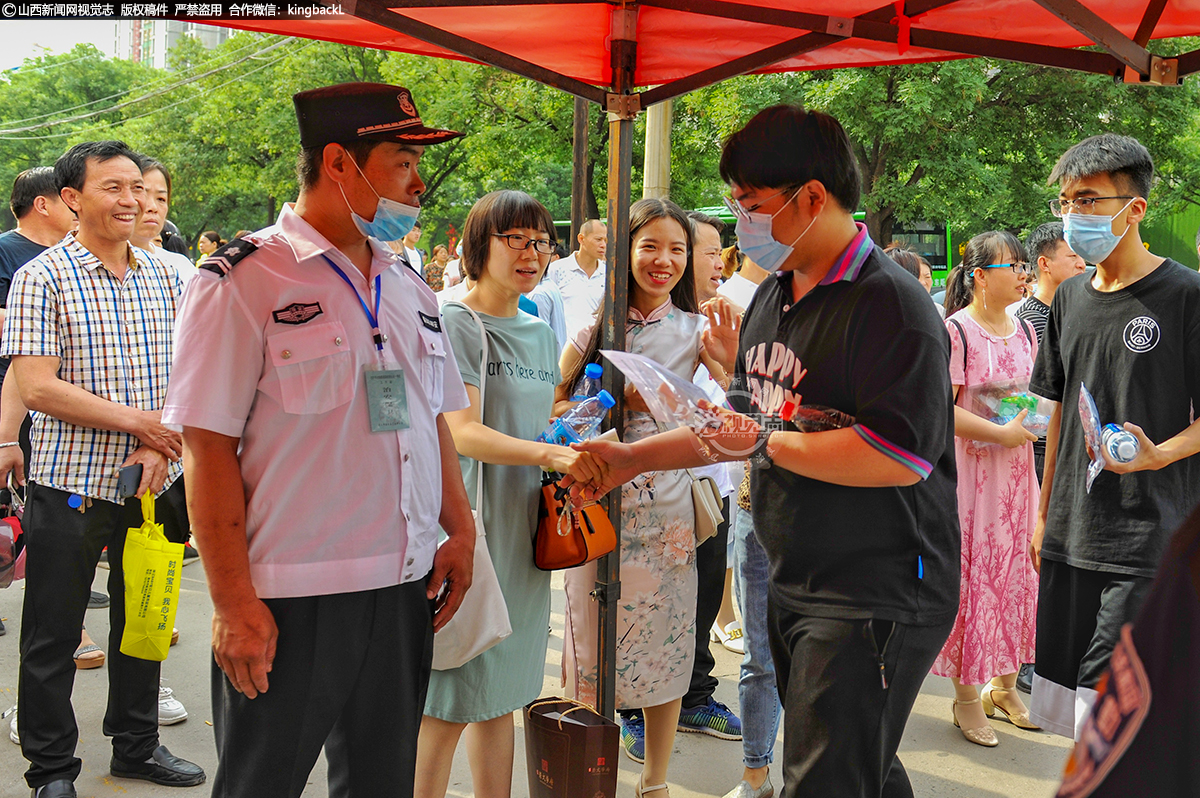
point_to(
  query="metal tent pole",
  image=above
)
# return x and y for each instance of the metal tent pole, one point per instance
(579, 161)
(622, 107)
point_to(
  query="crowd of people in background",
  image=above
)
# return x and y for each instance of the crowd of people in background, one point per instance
(920, 535)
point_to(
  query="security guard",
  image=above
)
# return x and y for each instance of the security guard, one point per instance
(311, 375)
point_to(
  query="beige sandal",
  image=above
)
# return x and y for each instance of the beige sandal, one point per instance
(984, 735)
(1019, 719)
(641, 791)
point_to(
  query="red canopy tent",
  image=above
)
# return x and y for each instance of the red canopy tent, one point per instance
(603, 51)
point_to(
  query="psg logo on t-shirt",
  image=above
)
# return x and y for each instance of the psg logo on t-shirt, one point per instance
(1141, 334)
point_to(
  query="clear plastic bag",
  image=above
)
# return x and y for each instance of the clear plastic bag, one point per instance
(1090, 416)
(816, 418)
(1002, 400)
(672, 400)
(675, 402)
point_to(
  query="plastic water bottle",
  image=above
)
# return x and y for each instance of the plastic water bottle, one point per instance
(580, 422)
(1120, 445)
(589, 386)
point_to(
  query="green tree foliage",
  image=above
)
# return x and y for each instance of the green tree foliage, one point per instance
(82, 84)
(967, 142)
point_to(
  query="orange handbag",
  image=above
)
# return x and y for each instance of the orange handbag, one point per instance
(566, 535)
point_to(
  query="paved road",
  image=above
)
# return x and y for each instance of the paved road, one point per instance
(939, 761)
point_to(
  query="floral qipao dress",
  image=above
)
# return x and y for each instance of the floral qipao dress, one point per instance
(997, 508)
(656, 614)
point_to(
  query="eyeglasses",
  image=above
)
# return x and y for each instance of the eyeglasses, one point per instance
(737, 209)
(518, 242)
(1018, 268)
(1083, 205)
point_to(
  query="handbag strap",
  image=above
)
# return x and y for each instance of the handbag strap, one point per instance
(483, 362)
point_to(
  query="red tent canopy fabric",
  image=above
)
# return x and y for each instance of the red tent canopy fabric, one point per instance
(679, 38)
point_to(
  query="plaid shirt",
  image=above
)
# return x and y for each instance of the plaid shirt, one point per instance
(113, 339)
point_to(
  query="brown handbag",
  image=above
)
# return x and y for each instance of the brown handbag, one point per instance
(566, 535)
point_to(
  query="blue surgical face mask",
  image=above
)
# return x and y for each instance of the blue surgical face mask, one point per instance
(393, 220)
(1091, 237)
(756, 241)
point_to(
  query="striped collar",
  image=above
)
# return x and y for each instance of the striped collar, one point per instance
(849, 264)
(88, 260)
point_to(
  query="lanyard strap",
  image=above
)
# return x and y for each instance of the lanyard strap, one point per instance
(372, 318)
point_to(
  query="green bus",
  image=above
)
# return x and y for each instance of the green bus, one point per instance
(929, 240)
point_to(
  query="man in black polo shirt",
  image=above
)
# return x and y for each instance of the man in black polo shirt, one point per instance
(860, 523)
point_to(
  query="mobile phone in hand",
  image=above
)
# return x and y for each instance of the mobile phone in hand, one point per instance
(128, 481)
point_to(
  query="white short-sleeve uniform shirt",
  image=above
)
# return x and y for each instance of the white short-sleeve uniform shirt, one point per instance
(275, 352)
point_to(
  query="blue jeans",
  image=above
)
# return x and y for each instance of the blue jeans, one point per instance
(757, 690)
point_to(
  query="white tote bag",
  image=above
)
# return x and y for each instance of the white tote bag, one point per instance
(482, 620)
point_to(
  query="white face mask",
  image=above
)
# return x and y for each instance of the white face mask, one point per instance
(393, 220)
(1091, 237)
(755, 239)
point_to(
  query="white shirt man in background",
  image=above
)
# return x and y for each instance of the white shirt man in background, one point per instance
(580, 276)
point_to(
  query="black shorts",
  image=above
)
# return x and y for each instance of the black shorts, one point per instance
(1079, 620)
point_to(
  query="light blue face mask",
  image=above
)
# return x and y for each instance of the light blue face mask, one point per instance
(1091, 237)
(755, 239)
(393, 220)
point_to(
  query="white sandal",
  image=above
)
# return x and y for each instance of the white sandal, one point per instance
(641, 791)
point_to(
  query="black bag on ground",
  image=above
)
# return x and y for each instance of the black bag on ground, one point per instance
(570, 751)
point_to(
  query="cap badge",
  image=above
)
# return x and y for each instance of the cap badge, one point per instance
(406, 103)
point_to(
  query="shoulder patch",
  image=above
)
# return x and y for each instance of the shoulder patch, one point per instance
(225, 258)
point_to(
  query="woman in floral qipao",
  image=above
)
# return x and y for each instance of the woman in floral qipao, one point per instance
(657, 611)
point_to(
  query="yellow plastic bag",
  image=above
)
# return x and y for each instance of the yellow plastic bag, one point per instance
(152, 569)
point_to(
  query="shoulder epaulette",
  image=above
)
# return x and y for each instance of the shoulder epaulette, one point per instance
(224, 259)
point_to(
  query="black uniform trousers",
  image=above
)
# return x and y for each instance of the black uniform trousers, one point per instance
(350, 674)
(844, 714)
(62, 548)
(710, 588)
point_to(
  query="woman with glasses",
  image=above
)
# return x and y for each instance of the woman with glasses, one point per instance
(508, 239)
(992, 355)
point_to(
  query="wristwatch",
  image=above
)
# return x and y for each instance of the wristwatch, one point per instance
(759, 456)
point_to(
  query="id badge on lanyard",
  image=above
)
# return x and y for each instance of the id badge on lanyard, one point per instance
(387, 396)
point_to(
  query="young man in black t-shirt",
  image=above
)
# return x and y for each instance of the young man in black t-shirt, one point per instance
(859, 523)
(1130, 332)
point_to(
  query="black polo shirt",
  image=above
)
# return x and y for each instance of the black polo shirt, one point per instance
(868, 342)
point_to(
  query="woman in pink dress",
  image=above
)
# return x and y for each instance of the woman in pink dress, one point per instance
(997, 489)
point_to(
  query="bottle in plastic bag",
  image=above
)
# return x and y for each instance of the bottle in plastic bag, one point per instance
(589, 386)
(580, 422)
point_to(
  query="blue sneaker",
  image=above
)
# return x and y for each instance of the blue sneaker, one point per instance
(633, 737)
(714, 719)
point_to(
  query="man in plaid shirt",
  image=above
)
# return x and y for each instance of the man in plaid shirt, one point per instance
(89, 331)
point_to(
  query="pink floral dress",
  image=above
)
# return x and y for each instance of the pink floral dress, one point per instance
(997, 508)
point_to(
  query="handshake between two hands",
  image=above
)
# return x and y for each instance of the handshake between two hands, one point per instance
(603, 463)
